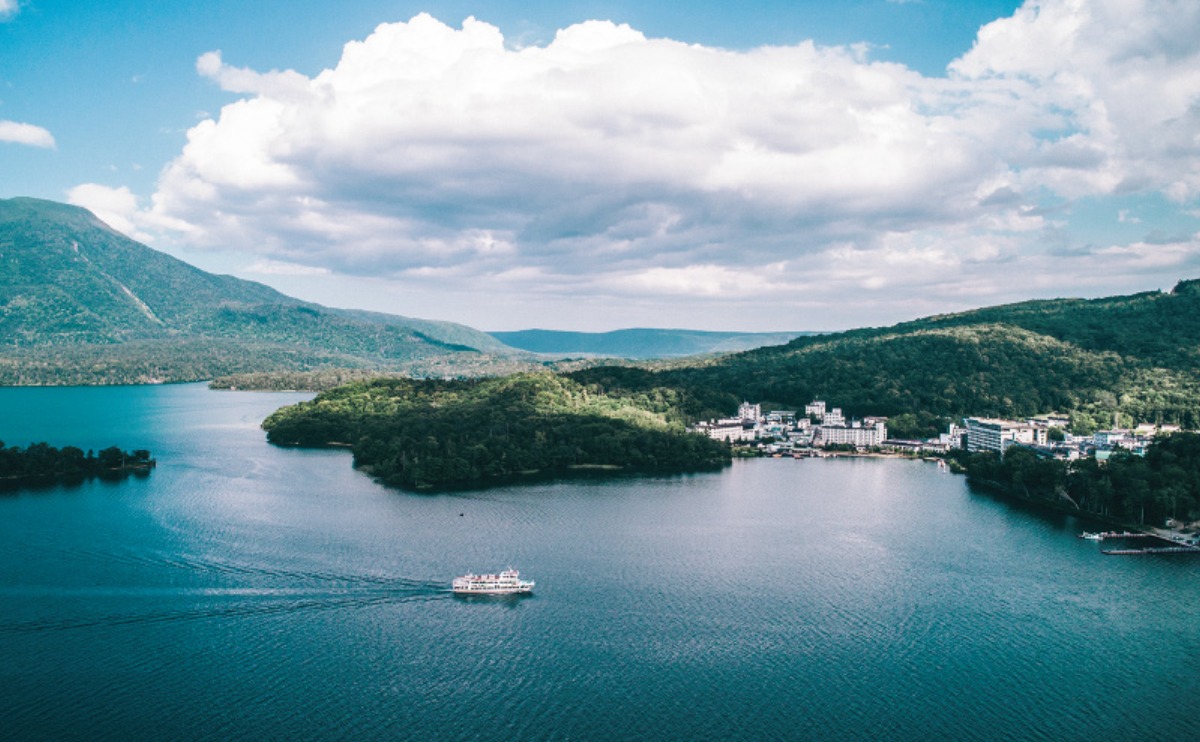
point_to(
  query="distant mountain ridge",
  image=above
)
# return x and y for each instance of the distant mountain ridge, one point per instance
(70, 286)
(641, 343)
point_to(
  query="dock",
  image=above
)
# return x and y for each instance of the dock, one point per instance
(1153, 550)
(1174, 547)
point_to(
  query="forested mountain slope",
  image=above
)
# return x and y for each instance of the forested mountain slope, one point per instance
(1137, 356)
(74, 291)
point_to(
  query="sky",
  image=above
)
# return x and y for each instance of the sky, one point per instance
(596, 165)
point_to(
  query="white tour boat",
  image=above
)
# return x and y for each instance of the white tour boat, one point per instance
(507, 582)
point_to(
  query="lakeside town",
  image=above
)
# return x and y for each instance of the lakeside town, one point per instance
(822, 431)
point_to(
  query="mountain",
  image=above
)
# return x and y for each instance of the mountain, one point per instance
(1134, 357)
(82, 303)
(639, 343)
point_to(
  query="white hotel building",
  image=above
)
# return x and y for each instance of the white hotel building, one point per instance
(728, 429)
(870, 433)
(991, 434)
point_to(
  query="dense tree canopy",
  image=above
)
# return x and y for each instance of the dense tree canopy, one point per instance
(41, 461)
(426, 434)
(1134, 357)
(1165, 483)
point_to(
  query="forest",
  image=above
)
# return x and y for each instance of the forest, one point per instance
(1126, 358)
(43, 462)
(435, 434)
(1127, 488)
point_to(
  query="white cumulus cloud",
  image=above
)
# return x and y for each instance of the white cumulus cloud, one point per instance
(1120, 80)
(116, 207)
(18, 133)
(609, 162)
(120, 209)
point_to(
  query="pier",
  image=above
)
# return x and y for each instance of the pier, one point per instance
(1153, 550)
(1174, 546)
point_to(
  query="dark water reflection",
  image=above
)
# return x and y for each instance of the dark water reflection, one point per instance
(242, 591)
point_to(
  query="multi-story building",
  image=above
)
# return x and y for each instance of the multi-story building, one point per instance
(953, 437)
(857, 435)
(834, 417)
(816, 409)
(1109, 438)
(729, 429)
(991, 434)
(749, 412)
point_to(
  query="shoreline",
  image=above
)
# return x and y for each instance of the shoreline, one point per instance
(1173, 537)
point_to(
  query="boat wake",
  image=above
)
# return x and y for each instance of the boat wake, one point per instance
(235, 603)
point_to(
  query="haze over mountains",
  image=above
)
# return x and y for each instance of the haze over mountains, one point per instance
(81, 303)
(641, 343)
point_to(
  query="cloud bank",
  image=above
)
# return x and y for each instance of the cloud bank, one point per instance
(609, 164)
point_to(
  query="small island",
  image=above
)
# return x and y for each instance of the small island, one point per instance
(43, 463)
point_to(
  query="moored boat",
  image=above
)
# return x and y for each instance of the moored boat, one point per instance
(508, 582)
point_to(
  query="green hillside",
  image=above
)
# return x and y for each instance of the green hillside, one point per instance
(1136, 356)
(431, 434)
(81, 303)
(1131, 357)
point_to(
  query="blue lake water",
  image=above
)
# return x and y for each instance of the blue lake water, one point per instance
(243, 591)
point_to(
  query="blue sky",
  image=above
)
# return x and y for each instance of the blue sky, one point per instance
(594, 165)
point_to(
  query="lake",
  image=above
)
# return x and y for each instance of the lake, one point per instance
(242, 591)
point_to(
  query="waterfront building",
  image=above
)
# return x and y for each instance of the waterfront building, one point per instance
(954, 437)
(992, 434)
(731, 430)
(915, 447)
(834, 417)
(815, 409)
(857, 434)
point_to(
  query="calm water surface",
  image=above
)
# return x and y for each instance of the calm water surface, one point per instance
(249, 592)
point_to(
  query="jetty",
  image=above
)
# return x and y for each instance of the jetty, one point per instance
(1153, 550)
(1174, 545)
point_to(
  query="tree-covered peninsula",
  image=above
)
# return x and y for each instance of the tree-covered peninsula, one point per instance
(41, 462)
(437, 434)
(1146, 490)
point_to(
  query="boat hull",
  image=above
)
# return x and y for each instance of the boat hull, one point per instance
(493, 591)
(507, 582)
